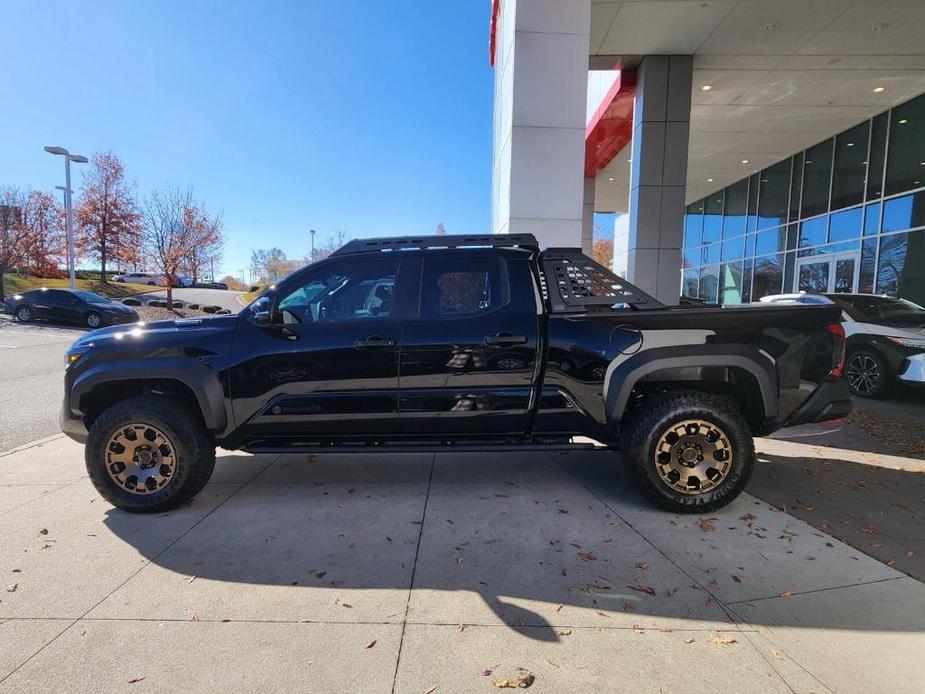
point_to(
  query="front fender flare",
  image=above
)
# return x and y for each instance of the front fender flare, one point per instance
(623, 376)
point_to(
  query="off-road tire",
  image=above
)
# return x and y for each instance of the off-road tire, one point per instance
(647, 426)
(193, 445)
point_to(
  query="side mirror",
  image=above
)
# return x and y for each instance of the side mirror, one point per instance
(260, 312)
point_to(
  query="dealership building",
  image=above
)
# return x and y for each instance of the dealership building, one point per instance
(743, 147)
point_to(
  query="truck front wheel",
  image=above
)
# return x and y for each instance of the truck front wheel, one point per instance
(690, 452)
(149, 453)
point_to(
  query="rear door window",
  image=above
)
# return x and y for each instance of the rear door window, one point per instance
(462, 287)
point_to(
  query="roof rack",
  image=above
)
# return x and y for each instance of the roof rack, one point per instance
(395, 243)
(576, 282)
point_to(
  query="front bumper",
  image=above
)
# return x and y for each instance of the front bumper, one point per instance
(830, 400)
(914, 372)
(73, 426)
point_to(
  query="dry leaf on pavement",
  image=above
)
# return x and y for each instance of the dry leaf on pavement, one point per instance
(705, 525)
(371, 643)
(722, 639)
(588, 556)
(689, 640)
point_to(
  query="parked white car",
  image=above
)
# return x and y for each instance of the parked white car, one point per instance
(149, 278)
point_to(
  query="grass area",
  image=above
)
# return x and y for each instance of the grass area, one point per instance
(248, 297)
(17, 284)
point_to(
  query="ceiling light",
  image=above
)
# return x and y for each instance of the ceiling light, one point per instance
(745, 161)
(877, 90)
(850, 144)
(710, 180)
(903, 121)
(610, 179)
(706, 87)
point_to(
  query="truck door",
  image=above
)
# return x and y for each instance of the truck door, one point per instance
(468, 357)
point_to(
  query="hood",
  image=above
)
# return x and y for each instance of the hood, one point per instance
(158, 333)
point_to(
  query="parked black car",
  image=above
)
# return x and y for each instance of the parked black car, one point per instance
(885, 339)
(463, 343)
(68, 306)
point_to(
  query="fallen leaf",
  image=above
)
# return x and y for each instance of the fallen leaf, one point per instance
(559, 608)
(643, 589)
(588, 556)
(344, 604)
(194, 617)
(191, 579)
(786, 594)
(321, 574)
(43, 531)
(371, 644)
(642, 565)
(564, 632)
(136, 680)
(12, 588)
(777, 654)
(705, 525)
(689, 640)
(722, 639)
(431, 690)
(486, 672)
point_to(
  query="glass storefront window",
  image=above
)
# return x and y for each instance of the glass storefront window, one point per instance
(747, 282)
(771, 241)
(733, 249)
(796, 181)
(872, 219)
(813, 231)
(900, 271)
(736, 202)
(817, 175)
(868, 266)
(713, 217)
(690, 283)
(751, 221)
(845, 225)
(876, 157)
(903, 213)
(709, 283)
(850, 169)
(767, 276)
(773, 195)
(690, 257)
(905, 166)
(693, 224)
(730, 278)
(710, 254)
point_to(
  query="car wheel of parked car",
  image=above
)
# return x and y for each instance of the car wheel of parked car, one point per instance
(149, 453)
(121, 280)
(690, 452)
(24, 314)
(151, 284)
(867, 374)
(93, 320)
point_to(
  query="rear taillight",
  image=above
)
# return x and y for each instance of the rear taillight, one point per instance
(839, 332)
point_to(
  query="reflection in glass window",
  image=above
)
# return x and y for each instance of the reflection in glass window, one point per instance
(730, 277)
(767, 276)
(817, 174)
(750, 245)
(813, 231)
(770, 241)
(898, 271)
(813, 277)
(903, 213)
(690, 283)
(850, 166)
(713, 217)
(693, 224)
(905, 166)
(773, 195)
(876, 157)
(736, 201)
(871, 219)
(747, 282)
(711, 254)
(709, 279)
(690, 257)
(733, 249)
(752, 214)
(868, 266)
(845, 225)
(796, 181)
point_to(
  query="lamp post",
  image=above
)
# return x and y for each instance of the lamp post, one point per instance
(69, 214)
(312, 232)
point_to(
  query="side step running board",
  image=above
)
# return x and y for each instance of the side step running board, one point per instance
(425, 448)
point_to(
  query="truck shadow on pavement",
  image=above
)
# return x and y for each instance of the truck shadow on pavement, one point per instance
(539, 542)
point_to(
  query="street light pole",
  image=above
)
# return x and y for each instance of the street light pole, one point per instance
(68, 210)
(312, 232)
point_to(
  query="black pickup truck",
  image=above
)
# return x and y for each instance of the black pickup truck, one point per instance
(460, 343)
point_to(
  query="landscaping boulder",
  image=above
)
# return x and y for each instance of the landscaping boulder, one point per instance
(210, 309)
(223, 312)
(131, 301)
(194, 307)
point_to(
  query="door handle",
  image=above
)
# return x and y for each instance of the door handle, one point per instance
(505, 339)
(373, 341)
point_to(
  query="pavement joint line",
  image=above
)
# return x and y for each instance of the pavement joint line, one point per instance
(32, 444)
(57, 489)
(819, 590)
(141, 568)
(417, 551)
(756, 633)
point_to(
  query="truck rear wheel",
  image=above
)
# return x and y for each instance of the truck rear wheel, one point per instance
(690, 452)
(149, 453)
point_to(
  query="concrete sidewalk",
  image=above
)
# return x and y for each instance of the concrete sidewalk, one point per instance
(379, 573)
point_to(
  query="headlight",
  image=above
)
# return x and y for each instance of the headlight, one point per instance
(75, 353)
(911, 342)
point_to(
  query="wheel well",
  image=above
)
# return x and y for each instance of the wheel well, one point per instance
(733, 383)
(105, 395)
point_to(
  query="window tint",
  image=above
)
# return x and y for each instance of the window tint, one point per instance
(904, 212)
(767, 278)
(845, 225)
(850, 166)
(713, 217)
(343, 292)
(730, 277)
(897, 271)
(817, 174)
(872, 219)
(905, 168)
(736, 201)
(693, 223)
(875, 160)
(463, 286)
(813, 231)
(868, 266)
(796, 182)
(709, 283)
(774, 195)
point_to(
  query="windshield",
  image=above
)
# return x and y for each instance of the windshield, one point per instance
(880, 309)
(91, 298)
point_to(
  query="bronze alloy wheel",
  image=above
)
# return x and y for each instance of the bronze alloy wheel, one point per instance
(693, 456)
(140, 458)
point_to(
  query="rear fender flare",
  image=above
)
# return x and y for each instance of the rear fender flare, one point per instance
(202, 380)
(623, 376)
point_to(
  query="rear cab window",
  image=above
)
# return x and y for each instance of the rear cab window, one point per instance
(462, 286)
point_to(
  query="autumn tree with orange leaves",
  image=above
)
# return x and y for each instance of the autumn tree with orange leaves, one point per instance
(108, 225)
(174, 224)
(44, 237)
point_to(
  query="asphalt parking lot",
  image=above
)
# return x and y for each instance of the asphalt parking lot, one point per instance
(390, 572)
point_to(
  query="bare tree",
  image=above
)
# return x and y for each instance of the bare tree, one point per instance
(204, 255)
(108, 223)
(12, 231)
(174, 224)
(331, 244)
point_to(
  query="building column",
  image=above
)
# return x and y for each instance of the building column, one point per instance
(658, 177)
(587, 217)
(541, 82)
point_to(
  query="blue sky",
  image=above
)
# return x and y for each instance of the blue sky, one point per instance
(373, 117)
